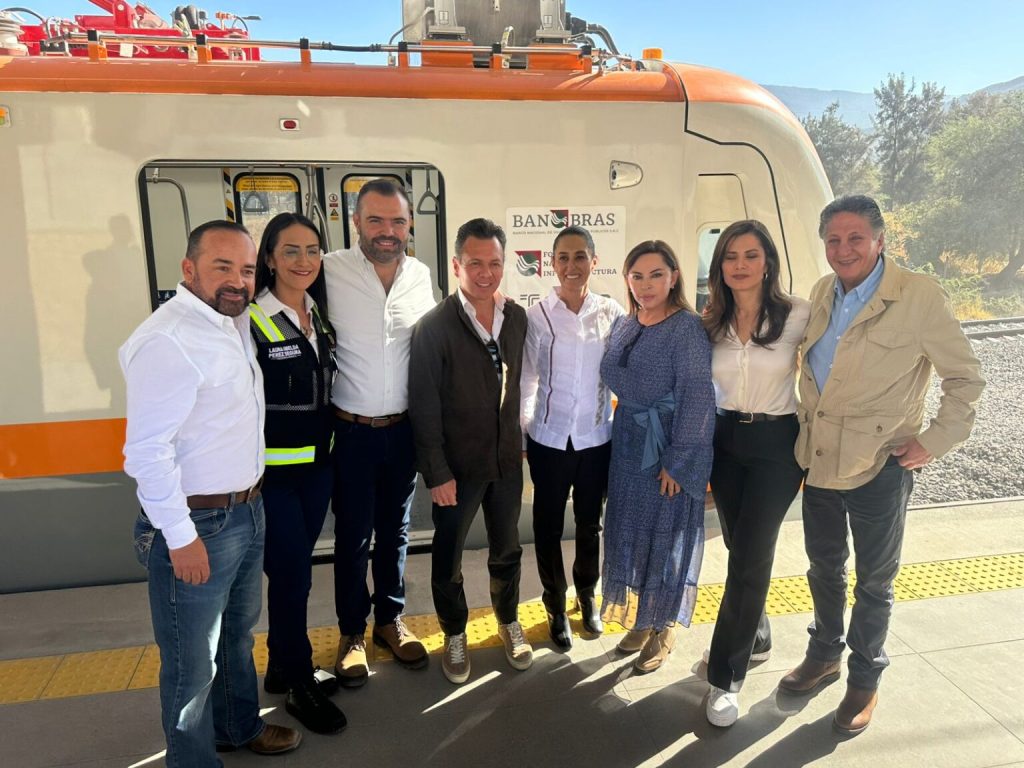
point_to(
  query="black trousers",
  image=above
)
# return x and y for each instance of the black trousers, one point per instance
(877, 513)
(501, 501)
(754, 479)
(295, 502)
(555, 473)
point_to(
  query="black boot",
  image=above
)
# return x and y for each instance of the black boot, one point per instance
(591, 615)
(561, 632)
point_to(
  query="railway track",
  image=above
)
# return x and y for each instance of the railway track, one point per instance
(990, 329)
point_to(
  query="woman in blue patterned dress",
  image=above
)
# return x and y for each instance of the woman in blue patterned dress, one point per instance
(658, 364)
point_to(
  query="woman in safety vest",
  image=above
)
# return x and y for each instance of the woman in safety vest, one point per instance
(295, 350)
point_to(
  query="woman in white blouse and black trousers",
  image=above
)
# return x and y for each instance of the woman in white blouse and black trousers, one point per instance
(567, 416)
(755, 331)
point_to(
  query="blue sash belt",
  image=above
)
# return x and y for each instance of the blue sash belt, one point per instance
(648, 416)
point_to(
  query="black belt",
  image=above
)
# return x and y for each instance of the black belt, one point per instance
(749, 418)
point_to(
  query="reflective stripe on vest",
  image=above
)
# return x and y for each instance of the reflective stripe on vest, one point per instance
(264, 323)
(277, 457)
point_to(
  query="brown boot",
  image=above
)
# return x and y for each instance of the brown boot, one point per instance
(810, 674)
(854, 712)
(657, 648)
(403, 644)
(275, 740)
(351, 666)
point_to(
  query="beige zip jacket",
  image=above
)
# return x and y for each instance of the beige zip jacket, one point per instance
(873, 400)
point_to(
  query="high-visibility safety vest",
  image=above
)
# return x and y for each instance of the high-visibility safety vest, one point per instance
(297, 385)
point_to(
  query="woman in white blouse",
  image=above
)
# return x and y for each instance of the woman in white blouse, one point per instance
(755, 331)
(567, 417)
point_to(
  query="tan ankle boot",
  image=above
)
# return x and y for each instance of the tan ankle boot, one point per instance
(657, 648)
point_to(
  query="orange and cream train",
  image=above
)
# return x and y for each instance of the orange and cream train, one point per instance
(106, 162)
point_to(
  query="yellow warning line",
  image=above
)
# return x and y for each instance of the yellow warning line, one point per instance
(108, 671)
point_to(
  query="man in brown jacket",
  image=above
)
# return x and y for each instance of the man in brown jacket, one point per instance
(875, 333)
(464, 371)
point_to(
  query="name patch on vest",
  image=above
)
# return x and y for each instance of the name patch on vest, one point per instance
(284, 352)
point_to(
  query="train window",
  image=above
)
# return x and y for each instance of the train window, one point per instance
(259, 197)
(706, 240)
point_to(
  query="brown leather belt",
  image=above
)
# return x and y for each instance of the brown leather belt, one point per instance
(215, 500)
(370, 421)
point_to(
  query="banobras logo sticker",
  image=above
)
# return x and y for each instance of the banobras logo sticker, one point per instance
(529, 263)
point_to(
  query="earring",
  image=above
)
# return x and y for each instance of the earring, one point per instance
(765, 276)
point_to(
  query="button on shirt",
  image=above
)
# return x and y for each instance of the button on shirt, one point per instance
(374, 330)
(195, 410)
(562, 393)
(271, 305)
(845, 308)
(756, 379)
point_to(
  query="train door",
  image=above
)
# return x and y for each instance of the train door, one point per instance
(178, 195)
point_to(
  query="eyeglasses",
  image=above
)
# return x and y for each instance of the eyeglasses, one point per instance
(289, 252)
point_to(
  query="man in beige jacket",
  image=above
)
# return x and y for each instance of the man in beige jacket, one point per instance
(876, 331)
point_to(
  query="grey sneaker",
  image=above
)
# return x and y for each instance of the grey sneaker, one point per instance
(455, 661)
(518, 652)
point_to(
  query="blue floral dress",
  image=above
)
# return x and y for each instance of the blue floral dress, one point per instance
(653, 544)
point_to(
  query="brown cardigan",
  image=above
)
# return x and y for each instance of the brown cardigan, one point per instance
(465, 428)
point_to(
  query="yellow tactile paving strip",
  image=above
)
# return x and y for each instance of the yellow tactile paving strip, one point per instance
(108, 671)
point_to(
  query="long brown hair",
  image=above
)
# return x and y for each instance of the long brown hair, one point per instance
(721, 309)
(675, 296)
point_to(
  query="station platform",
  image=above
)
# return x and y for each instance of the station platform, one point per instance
(78, 675)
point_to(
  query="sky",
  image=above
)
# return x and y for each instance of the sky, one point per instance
(825, 44)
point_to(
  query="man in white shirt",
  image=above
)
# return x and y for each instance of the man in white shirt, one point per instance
(376, 293)
(195, 447)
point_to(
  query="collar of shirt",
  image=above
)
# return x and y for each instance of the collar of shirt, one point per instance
(499, 316)
(204, 310)
(370, 272)
(272, 305)
(555, 303)
(866, 289)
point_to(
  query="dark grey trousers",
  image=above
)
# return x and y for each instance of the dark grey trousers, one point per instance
(501, 501)
(877, 514)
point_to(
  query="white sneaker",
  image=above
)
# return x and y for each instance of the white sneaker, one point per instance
(723, 707)
(455, 661)
(518, 652)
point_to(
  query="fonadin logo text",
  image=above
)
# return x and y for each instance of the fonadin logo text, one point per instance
(529, 263)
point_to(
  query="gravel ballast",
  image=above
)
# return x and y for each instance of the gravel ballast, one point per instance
(990, 464)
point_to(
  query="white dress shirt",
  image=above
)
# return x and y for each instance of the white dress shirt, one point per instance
(195, 410)
(499, 317)
(374, 330)
(271, 305)
(562, 393)
(756, 379)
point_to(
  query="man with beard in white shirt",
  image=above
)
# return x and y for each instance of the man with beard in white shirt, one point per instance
(376, 293)
(195, 447)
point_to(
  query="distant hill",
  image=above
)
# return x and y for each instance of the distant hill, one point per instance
(1016, 84)
(855, 108)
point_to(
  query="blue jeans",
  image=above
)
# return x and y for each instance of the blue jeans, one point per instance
(374, 482)
(296, 501)
(208, 692)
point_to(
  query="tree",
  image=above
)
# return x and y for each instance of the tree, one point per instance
(977, 161)
(903, 123)
(845, 151)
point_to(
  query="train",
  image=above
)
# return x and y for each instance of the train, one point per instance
(117, 136)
